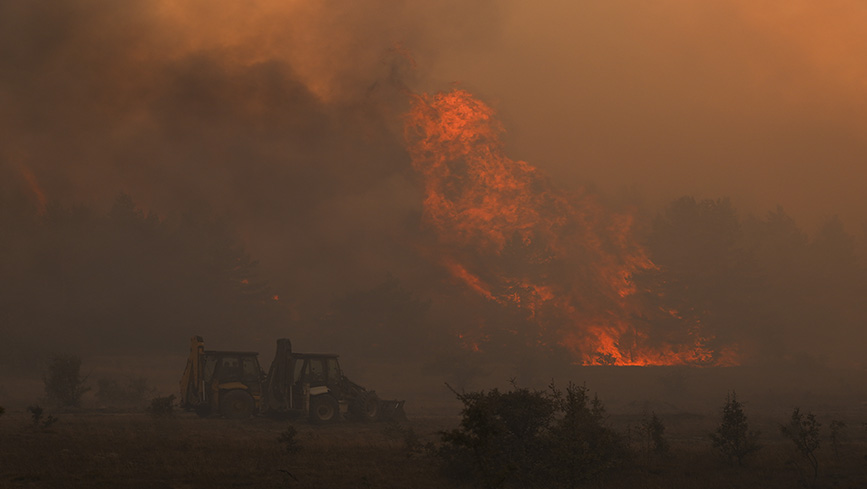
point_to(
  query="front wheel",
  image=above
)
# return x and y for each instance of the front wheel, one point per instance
(367, 406)
(324, 409)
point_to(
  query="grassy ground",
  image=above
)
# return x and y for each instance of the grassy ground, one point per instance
(93, 448)
(134, 450)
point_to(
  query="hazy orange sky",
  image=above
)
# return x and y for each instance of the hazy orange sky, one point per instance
(761, 101)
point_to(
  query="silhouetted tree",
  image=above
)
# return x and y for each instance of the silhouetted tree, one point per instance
(803, 431)
(733, 438)
(63, 382)
(704, 276)
(126, 280)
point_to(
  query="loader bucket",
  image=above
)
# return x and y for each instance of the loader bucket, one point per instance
(391, 410)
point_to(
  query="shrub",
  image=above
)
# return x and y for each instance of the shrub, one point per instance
(804, 433)
(289, 439)
(36, 415)
(583, 447)
(412, 441)
(733, 439)
(2, 410)
(531, 438)
(162, 407)
(63, 383)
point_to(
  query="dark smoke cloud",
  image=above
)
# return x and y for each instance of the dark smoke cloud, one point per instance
(282, 116)
(285, 116)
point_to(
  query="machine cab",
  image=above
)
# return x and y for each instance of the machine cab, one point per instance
(318, 371)
(232, 370)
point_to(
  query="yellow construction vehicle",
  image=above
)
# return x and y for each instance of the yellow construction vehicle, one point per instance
(232, 384)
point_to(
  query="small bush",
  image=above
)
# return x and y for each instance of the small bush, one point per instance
(530, 438)
(63, 382)
(412, 441)
(36, 415)
(838, 435)
(803, 431)
(584, 447)
(289, 439)
(162, 407)
(733, 439)
(2, 410)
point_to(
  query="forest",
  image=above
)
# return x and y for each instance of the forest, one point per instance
(132, 282)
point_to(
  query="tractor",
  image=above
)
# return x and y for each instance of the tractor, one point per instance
(232, 384)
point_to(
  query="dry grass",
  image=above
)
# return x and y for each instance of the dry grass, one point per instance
(134, 450)
(86, 450)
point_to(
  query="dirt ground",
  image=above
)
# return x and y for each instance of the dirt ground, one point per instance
(98, 447)
(135, 450)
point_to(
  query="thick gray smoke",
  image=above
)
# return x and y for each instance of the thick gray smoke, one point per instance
(282, 116)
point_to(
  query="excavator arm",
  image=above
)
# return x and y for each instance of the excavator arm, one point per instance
(192, 383)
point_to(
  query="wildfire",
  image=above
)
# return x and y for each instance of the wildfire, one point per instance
(514, 238)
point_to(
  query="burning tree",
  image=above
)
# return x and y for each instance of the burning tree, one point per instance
(515, 239)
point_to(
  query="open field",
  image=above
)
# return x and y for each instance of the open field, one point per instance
(103, 448)
(134, 450)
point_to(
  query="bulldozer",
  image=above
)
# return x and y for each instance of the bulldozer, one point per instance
(233, 385)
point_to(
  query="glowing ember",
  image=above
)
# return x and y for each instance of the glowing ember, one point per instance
(512, 237)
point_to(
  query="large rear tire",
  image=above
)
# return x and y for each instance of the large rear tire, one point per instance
(324, 409)
(237, 404)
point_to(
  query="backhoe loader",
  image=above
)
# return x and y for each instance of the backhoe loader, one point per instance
(232, 384)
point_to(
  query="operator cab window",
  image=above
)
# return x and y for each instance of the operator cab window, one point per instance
(250, 368)
(317, 370)
(210, 364)
(228, 369)
(299, 370)
(332, 369)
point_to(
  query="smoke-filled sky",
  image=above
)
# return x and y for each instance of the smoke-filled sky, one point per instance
(286, 115)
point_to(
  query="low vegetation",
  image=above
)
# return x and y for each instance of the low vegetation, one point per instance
(528, 438)
(39, 421)
(651, 435)
(161, 407)
(64, 384)
(517, 437)
(803, 431)
(733, 439)
(289, 440)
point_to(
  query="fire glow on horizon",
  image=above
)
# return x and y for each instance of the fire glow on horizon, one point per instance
(512, 237)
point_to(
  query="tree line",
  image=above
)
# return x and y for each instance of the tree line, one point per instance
(126, 280)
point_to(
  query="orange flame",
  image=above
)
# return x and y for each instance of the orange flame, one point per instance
(512, 237)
